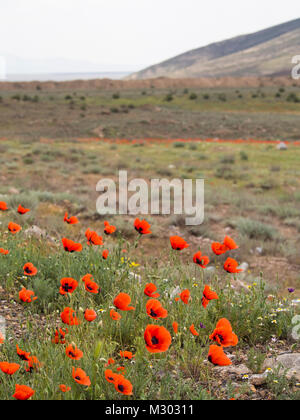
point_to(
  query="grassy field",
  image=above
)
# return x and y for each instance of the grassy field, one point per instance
(48, 164)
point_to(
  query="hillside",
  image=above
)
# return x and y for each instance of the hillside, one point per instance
(264, 53)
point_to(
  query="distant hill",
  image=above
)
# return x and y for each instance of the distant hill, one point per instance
(264, 53)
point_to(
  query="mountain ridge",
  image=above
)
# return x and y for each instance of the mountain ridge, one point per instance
(244, 52)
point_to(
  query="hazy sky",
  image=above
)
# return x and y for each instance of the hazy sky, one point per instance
(133, 33)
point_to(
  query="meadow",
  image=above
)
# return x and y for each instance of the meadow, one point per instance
(54, 148)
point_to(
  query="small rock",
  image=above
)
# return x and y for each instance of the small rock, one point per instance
(13, 190)
(239, 370)
(258, 380)
(259, 250)
(244, 266)
(281, 146)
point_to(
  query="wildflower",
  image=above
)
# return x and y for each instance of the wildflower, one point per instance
(122, 385)
(150, 290)
(122, 302)
(201, 260)
(22, 210)
(93, 238)
(87, 277)
(14, 228)
(90, 315)
(155, 309)
(202, 326)
(27, 296)
(59, 336)
(91, 287)
(185, 296)
(110, 362)
(81, 377)
(142, 227)
(29, 269)
(175, 327)
(23, 355)
(110, 376)
(229, 243)
(193, 330)
(68, 285)
(115, 315)
(231, 265)
(218, 248)
(126, 354)
(109, 229)
(3, 206)
(223, 334)
(105, 254)
(4, 251)
(70, 220)
(217, 356)
(178, 243)
(68, 316)
(33, 364)
(71, 246)
(9, 368)
(23, 392)
(290, 289)
(157, 339)
(64, 388)
(74, 353)
(1, 338)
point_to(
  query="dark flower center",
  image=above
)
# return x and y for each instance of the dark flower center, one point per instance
(154, 341)
(27, 269)
(152, 313)
(78, 378)
(121, 388)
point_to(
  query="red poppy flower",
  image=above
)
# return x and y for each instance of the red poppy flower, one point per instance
(33, 364)
(109, 229)
(81, 377)
(22, 210)
(71, 246)
(9, 368)
(29, 269)
(3, 206)
(23, 355)
(229, 243)
(105, 254)
(67, 285)
(64, 388)
(185, 296)
(122, 385)
(68, 316)
(142, 227)
(175, 327)
(122, 302)
(223, 334)
(178, 243)
(157, 339)
(110, 376)
(59, 337)
(70, 220)
(219, 248)
(155, 309)
(193, 330)
(150, 290)
(110, 362)
(217, 357)
(231, 266)
(23, 392)
(1, 339)
(201, 260)
(87, 277)
(14, 228)
(115, 315)
(27, 296)
(121, 369)
(4, 251)
(90, 315)
(91, 287)
(74, 353)
(93, 238)
(127, 355)
(208, 295)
